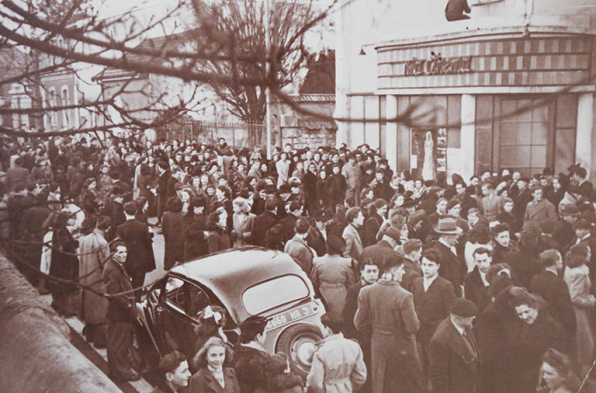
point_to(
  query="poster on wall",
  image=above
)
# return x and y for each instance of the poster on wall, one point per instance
(429, 152)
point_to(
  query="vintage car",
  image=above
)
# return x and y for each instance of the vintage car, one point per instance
(246, 281)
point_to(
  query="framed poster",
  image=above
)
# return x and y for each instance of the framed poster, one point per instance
(429, 152)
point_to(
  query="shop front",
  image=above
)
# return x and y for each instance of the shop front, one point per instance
(479, 101)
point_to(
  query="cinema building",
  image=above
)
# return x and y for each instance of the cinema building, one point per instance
(511, 87)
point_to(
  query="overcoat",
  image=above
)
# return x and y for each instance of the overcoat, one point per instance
(333, 275)
(337, 366)
(453, 360)
(388, 310)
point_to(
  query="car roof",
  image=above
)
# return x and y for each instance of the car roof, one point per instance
(228, 273)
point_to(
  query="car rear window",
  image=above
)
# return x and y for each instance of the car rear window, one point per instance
(273, 293)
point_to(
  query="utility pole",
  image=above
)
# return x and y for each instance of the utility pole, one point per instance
(267, 70)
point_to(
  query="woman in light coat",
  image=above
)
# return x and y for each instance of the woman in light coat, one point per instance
(94, 251)
(242, 222)
(332, 274)
(577, 277)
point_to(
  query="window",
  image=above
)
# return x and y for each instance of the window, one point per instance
(274, 293)
(53, 114)
(525, 134)
(185, 296)
(65, 102)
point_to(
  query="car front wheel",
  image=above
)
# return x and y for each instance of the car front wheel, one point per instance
(299, 342)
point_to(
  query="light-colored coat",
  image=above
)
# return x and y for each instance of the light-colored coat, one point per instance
(301, 252)
(578, 281)
(333, 275)
(388, 310)
(243, 226)
(539, 211)
(93, 254)
(337, 366)
(354, 246)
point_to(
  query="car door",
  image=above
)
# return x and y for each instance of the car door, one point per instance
(180, 303)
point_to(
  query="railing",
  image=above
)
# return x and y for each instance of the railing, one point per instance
(236, 134)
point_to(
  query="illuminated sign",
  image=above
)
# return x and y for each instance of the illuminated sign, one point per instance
(438, 65)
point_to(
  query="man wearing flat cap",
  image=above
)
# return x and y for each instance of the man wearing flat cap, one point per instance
(453, 353)
(250, 356)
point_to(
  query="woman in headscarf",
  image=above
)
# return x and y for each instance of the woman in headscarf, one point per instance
(242, 221)
(94, 251)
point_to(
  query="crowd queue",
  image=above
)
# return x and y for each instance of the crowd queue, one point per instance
(430, 285)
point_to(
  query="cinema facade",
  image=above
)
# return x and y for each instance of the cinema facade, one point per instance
(512, 87)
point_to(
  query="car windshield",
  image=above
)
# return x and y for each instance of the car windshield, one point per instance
(273, 293)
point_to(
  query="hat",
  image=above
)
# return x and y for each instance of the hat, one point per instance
(336, 243)
(397, 221)
(463, 308)
(417, 216)
(569, 210)
(294, 182)
(582, 224)
(393, 233)
(448, 226)
(548, 226)
(452, 203)
(270, 188)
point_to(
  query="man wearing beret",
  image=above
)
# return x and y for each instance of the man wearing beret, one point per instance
(453, 353)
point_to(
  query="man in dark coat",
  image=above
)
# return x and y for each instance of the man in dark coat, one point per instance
(433, 296)
(264, 222)
(475, 282)
(412, 253)
(453, 352)
(250, 356)
(164, 189)
(374, 221)
(551, 286)
(120, 312)
(172, 233)
(452, 266)
(135, 234)
(387, 310)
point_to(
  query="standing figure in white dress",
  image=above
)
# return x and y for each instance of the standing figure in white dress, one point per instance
(428, 168)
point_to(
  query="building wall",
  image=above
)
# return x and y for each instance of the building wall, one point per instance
(512, 87)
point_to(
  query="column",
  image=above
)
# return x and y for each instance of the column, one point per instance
(585, 128)
(391, 131)
(468, 136)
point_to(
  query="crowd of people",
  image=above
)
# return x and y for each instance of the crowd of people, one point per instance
(446, 285)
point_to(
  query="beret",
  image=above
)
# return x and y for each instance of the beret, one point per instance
(463, 308)
(336, 243)
(569, 210)
(548, 226)
(393, 233)
(452, 203)
(582, 224)
(270, 188)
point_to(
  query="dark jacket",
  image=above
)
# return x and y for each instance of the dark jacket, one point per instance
(412, 272)
(336, 188)
(431, 306)
(453, 360)
(263, 222)
(117, 281)
(249, 364)
(174, 241)
(205, 382)
(555, 291)
(371, 227)
(138, 239)
(218, 240)
(475, 290)
(452, 266)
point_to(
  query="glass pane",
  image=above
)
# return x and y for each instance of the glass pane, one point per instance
(508, 131)
(538, 156)
(508, 107)
(524, 134)
(540, 112)
(522, 156)
(539, 133)
(273, 293)
(526, 106)
(507, 158)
